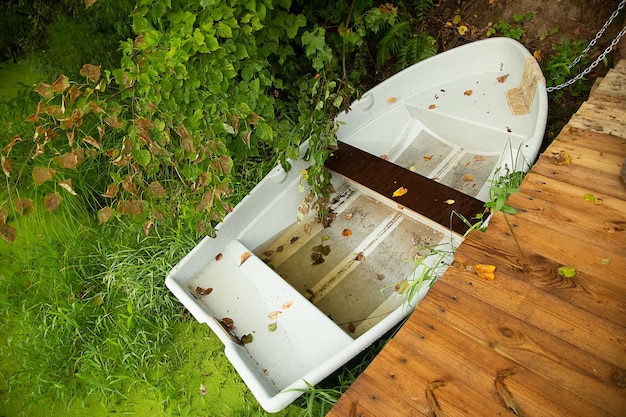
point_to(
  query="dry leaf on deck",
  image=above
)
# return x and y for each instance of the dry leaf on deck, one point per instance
(485, 271)
(561, 158)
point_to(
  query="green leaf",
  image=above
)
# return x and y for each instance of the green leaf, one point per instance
(589, 197)
(264, 131)
(142, 157)
(212, 43)
(566, 271)
(224, 31)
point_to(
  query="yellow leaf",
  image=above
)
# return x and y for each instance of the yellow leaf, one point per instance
(537, 55)
(274, 315)
(462, 30)
(449, 202)
(244, 257)
(456, 19)
(400, 192)
(485, 271)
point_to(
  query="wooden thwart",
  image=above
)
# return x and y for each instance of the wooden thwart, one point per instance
(424, 196)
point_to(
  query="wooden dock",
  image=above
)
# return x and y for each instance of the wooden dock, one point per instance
(530, 342)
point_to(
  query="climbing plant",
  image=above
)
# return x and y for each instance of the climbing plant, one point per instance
(201, 86)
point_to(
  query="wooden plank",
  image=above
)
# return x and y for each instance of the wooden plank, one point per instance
(614, 83)
(583, 251)
(564, 207)
(477, 365)
(604, 298)
(600, 142)
(531, 347)
(605, 339)
(601, 117)
(361, 401)
(395, 374)
(585, 157)
(425, 196)
(572, 196)
(607, 185)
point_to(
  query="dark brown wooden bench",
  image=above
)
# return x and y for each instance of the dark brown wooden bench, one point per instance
(424, 196)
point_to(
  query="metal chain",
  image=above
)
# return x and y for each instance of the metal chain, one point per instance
(590, 68)
(595, 63)
(599, 34)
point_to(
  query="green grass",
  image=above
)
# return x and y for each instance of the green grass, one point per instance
(15, 77)
(87, 324)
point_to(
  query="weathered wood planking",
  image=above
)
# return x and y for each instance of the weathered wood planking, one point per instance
(564, 340)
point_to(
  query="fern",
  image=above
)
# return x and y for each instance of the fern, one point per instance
(392, 43)
(419, 8)
(402, 41)
(416, 48)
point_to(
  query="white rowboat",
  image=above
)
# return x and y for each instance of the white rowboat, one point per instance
(305, 299)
